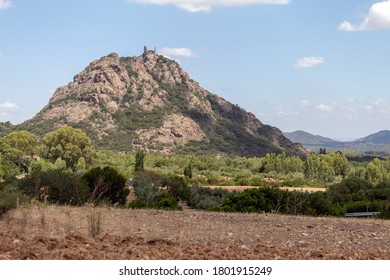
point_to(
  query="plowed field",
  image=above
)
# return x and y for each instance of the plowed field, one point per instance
(53, 232)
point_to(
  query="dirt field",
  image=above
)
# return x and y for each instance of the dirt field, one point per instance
(242, 188)
(53, 232)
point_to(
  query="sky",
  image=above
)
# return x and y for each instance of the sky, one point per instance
(312, 65)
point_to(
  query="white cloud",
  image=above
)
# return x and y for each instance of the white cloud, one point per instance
(324, 108)
(184, 52)
(309, 61)
(195, 6)
(305, 103)
(5, 4)
(378, 17)
(379, 107)
(9, 106)
(280, 111)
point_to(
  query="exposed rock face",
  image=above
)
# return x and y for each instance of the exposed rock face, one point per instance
(176, 130)
(149, 101)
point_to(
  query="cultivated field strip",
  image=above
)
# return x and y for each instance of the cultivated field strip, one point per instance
(54, 232)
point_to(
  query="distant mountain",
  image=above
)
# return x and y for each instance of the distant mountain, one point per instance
(150, 102)
(308, 139)
(375, 143)
(381, 137)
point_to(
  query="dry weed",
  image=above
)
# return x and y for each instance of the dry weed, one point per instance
(94, 224)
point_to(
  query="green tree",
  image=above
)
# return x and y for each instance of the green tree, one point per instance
(147, 186)
(60, 164)
(81, 164)
(69, 144)
(177, 187)
(269, 163)
(41, 165)
(373, 173)
(325, 172)
(341, 165)
(18, 148)
(296, 164)
(311, 167)
(139, 161)
(188, 170)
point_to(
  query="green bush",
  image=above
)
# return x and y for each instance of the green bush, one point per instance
(271, 199)
(359, 195)
(348, 190)
(206, 198)
(146, 186)
(166, 202)
(296, 183)
(55, 186)
(106, 184)
(356, 206)
(137, 204)
(176, 186)
(159, 191)
(10, 198)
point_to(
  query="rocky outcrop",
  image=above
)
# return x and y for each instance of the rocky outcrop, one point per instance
(149, 101)
(175, 130)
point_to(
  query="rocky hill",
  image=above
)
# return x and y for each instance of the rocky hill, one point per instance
(149, 101)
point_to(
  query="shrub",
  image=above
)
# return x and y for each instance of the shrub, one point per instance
(166, 202)
(271, 199)
(146, 186)
(176, 186)
(106, 184)
(137, 204)
(55, 186)
(298, 182)
(356, 206)
(41, 165)
(10, 198)
(347, 189)
(206, 198)
(319, 203)
(188, 171)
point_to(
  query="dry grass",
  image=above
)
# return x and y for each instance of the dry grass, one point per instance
(54, 232)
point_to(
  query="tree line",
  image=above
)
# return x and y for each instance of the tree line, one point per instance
(64, 167)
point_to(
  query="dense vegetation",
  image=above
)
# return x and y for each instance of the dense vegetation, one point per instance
(351, 195)
(64, 168)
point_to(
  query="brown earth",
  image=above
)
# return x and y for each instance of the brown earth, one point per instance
(242, 188)
(53, 232)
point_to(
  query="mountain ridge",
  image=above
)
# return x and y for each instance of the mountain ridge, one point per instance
(380, 137)
(306, 138)
(375, 142)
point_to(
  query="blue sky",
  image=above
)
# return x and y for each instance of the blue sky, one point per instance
(319, 66)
